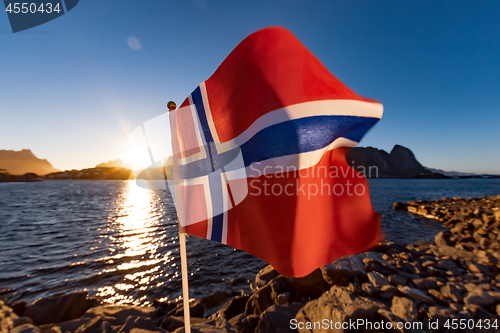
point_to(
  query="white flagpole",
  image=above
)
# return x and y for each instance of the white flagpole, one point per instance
(184, 272)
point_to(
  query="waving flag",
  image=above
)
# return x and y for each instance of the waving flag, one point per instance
(259, 157)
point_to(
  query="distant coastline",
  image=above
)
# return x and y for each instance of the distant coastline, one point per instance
(400, 163)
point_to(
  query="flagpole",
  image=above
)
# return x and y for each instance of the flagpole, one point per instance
(182, 244)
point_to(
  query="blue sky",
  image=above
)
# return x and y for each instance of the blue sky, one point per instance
(71, 89)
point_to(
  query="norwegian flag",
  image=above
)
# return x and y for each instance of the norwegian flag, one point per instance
(259, 157)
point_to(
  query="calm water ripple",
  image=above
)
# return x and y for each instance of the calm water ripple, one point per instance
(120, 242)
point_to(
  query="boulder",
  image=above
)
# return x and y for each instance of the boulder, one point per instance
(171, 323)
(378, 280)
(73, 325)
(343, 270)
(6, 324)
(425, 284)
(245, 323)
(233, 307)
(22, 320)
(18, 307)
(58, 308)
(451, 292)
(479, 297)
(404, 308)
(195, 309)
(475, 267)
(440, 314)
(137, 322)
(120, 313)
(260, 300)
(339, 305)
(276, 319)
(312, 285)
(442, 238)
(265, 275)
(219, 325)
(95, 325)
(416, 294)
(397, 280)
(26, 328)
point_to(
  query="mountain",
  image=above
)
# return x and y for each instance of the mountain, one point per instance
(400, 163)
(111, 164)
(24, 161)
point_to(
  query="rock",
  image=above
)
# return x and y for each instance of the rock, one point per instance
(233, 307)
(442, 239)
(312, 285)
(195, 309)
(355, 288)
(58, 308)
(440, 314)
(497, 215)
(163, 308)
(453, 252)
(265, 275)
(437, 295)
(260, 300)
(377, 279)
(479, 297)
(55, 329)
(171, 323)
(141, 330)
(416, 294)
(412, 209)
(26, 328)
(137, 322)
(245, 323)
(404, 308)
(6, 324)
(343, 270)
(120, 311)
(397, 280)
(18, 307)
(370, 289)
(219, 325)
(283, 298)
(449, 291)
(279, 285)
(389, 291)
(276, 319)
(96, 324)
(399, 206)
(22, 320)
(215, 299)
(475, 267)
(338, 305)
(73, 325)
(425, 284)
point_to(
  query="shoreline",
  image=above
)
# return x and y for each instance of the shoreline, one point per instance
(455, 277)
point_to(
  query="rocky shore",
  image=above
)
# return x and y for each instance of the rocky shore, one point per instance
(423, 287)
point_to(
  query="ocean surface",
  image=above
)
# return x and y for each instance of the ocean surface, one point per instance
(120, 242)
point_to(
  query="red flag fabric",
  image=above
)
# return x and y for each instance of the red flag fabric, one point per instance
(260, 157)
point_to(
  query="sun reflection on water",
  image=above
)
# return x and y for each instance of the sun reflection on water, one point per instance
(136, 236)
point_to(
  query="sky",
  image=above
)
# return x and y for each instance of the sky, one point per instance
(71, 90)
